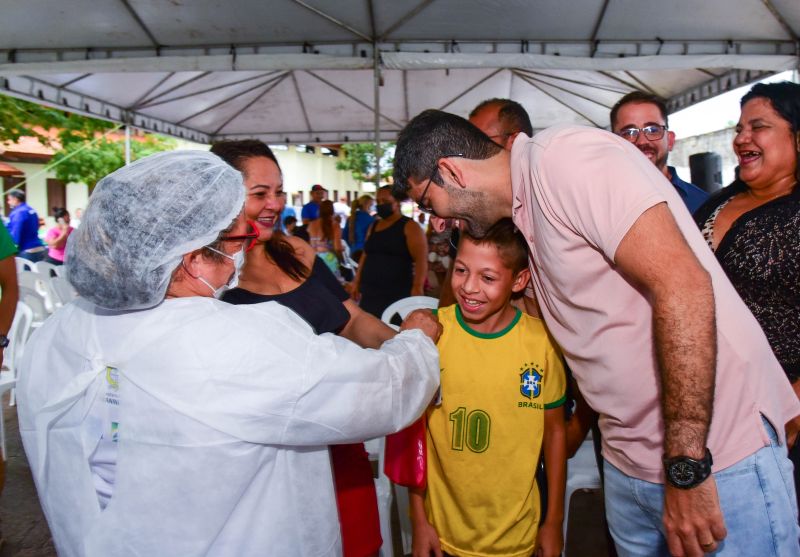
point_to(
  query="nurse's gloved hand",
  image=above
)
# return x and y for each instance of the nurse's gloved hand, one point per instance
(425, 321)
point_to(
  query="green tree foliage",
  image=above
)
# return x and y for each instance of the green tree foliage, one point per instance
(359, 160)
(86, 152)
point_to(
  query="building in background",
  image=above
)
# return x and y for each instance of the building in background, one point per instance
(24, 165)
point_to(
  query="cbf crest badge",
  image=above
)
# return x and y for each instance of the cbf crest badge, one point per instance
(530, 381)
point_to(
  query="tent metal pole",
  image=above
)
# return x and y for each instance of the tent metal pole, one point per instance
(127, 145)
(377, 112)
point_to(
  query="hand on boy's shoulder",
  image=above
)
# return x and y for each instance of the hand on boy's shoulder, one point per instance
(424, 320)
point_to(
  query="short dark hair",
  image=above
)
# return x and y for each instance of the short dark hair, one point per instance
(60, 212)
(19, 195)
(512, 116)
(784, 97)
(640, 97)
(510, 243)
(238, 151)
(289, 220)
(429, 136)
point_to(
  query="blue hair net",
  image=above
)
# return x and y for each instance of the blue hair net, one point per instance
(143, 218)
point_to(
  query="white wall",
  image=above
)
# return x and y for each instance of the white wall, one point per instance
(301, 170)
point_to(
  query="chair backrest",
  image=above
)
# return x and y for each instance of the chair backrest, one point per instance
(62, 290)
(38, 283)
(45, 268)
(24, 265)
(407, 305)
(35, 301)
(18, 336)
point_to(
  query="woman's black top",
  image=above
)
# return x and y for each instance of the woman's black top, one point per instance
(388, 271)
(319, 300)
(761, 256)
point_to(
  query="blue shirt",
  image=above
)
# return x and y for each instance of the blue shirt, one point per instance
(23, 225)
(692, 196)
(310, 211)
(363, 220)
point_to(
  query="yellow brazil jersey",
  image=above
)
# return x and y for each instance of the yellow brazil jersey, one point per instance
(485, 438)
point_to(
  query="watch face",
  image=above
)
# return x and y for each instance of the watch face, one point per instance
(682, 473)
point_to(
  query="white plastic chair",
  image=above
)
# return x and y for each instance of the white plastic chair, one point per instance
(383, 493)
(61, 290)
(582, 473)
(34, 300)
(38, 283)
(383, 486)
(45, 268)
(407, 305)
(17, 336)
(24, 265)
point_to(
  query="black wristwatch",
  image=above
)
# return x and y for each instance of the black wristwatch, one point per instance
(3, 341)
(685, 473)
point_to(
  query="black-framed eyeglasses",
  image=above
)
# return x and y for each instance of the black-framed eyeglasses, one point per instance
(425, 208)
(251, 235)
(652, 132)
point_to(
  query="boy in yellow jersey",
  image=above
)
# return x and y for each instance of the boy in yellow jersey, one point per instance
(503, 390)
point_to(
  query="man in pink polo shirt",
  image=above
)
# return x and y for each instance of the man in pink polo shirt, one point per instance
(661, 345)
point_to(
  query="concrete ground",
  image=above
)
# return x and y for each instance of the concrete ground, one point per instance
(26, 533)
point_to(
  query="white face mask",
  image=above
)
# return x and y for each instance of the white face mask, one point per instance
(238, 262)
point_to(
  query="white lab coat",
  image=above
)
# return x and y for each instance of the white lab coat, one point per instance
(224, 413)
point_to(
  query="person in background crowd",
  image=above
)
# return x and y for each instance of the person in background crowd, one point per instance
(359, 221)
(695, 461)
(311, 209)
(641, 118)
(56, 237)
(23, 225)
(288, 211)
(341, 209)
(76, 220)
(286, 270)
(158, 420)
(289, 224)
(326, 238)
(395, 258)
(753, 225)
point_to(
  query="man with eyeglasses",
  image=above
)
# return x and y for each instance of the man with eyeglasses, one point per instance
(641, 118)
(691, 398)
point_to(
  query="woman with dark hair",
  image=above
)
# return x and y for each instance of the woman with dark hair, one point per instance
(753, 225)
(286, 269)
(326, 238)
(56, 237)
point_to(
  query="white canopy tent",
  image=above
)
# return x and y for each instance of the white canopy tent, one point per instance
(322, 71)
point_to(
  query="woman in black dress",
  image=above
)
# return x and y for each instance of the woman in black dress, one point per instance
(395, 259)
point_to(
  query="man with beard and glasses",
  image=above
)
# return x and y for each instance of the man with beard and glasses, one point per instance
(641, 118)
(693, 403)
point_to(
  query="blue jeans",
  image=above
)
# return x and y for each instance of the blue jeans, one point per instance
(756, 495)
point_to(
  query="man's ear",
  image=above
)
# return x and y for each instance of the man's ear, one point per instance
(189, 263)
(670, 139)
(452, 167)
(521, 280)
(510, 141)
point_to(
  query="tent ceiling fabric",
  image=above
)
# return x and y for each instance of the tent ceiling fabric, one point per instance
(304, 71)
